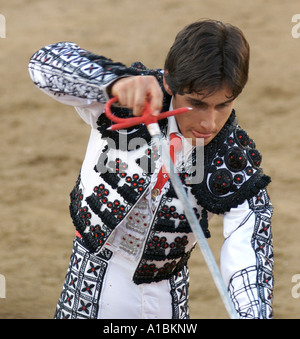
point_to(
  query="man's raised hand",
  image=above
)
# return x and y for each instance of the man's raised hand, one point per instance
(133, 91)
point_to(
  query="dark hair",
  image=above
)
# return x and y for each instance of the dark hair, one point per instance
(205, 56)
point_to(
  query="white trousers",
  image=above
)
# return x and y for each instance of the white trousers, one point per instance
(121, 298)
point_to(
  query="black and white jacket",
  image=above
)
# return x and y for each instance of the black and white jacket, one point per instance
(114, 177)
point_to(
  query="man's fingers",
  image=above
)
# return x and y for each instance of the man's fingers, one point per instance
(134, 91)
(120, 89)
(156, 100)
(154, 95)
(141, 90)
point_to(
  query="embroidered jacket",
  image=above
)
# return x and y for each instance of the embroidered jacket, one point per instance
(116, 174)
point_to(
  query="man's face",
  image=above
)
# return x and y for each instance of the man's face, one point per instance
(208, 114)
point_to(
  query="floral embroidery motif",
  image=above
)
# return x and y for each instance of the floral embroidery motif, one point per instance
(237, 156)
(221, 182)
(148, 271)
(180, 294)
(85, 274)
(233, 170)
(110, 212)
(235, 159)
(263, 249)
(157, 248)
(255, 157)
(136, 182)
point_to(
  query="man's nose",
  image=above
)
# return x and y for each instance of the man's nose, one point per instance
(208, 121)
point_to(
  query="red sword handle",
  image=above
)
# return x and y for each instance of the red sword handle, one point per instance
(146, 118)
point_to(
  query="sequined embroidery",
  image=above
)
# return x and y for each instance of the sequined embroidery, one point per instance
(131, 236)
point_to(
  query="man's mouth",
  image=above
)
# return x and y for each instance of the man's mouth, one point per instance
(201, 135)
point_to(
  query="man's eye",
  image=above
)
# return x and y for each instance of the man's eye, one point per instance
(198, 104)
(223, 105)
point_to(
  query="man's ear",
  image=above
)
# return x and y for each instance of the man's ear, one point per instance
(166, 86)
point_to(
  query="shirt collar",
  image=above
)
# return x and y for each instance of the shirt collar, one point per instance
(187, 148)
(172, 124)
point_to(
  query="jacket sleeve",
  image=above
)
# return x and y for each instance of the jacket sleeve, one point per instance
(247, 257)
(76, 77)
(79, 78)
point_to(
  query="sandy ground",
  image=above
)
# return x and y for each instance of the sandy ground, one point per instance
(43, 142)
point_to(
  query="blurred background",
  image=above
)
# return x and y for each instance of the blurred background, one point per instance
(43, 142)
